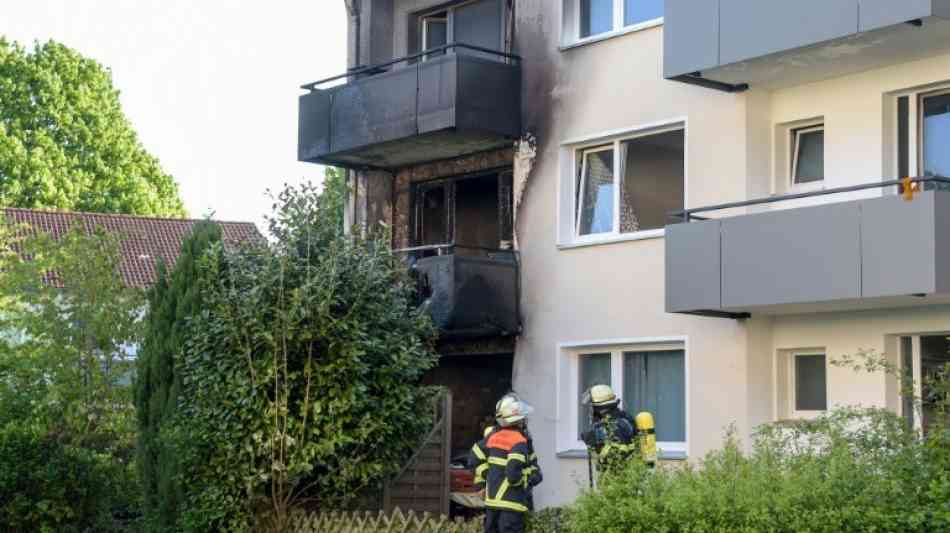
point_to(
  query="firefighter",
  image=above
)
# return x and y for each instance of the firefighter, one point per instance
(615, 436)
(534, 469)
(503, 470)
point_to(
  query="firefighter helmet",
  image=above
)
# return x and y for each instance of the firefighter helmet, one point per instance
(601, 396)
(511, 410)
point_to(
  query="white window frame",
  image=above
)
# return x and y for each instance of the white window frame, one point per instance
(793, 389)
(796, 135)
(568, 385)
(918, 128)
(573, 27)
(915, 126)
(569, 199)
(424, 21)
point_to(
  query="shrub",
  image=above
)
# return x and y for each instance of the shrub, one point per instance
(300, 375)
(46, 485)
(852, 470)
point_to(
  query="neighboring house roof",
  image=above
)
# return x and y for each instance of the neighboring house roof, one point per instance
(144, 239)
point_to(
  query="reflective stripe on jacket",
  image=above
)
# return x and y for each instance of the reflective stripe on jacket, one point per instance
(509, 473)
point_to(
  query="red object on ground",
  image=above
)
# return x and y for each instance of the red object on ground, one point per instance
(462, 480)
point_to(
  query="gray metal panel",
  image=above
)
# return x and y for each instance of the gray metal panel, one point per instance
(374, 110)
(313, 125)
(942, 241)
(897, 246)
(941, 8)
(693, 266)
(754, 28)
(489, 96)
(479, 23)
(438, 83)
(809, 254)
(880, 13)
(690, 36)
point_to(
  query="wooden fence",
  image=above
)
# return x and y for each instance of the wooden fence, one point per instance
(395, 522)
(423, 484)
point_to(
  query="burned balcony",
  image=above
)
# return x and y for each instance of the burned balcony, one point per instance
(733, 44)
(469, 292)
(870, 253)
(445, 102)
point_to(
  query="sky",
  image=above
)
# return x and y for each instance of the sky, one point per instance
(210, 86)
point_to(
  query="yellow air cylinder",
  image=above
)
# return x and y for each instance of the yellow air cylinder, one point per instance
(646, 434)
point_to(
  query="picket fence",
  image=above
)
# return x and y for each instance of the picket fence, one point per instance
(395, 522)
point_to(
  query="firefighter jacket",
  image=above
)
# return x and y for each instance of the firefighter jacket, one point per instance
(614, 438)
(506, 467)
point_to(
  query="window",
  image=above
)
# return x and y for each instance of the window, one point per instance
(656, 382)
(811, 386)
(470, 211)
(808, 155)
(477, 22)
(922, 358)
(629, 185)
(598, 17)
(935, 134)
(594, 370)
(647, 377)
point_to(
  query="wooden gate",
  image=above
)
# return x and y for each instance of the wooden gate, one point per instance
(423, 483)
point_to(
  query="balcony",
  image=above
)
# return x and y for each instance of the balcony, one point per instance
(469, 292)
(446, 102)
(733, 44)
(872, 253)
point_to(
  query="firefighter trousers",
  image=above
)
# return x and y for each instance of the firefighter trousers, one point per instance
(503, 521)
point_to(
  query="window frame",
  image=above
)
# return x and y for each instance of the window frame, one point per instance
(796, 136)
(614, 141)
(449, 10)
(568, 387)
(579, 188)
(617, 28)
(792, 385)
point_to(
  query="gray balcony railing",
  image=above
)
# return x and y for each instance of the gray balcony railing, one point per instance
(869, 253)
(437, 104)
(468, 291)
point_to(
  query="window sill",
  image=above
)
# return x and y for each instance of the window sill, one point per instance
(668, 455)
(611, 34)
(613, 239)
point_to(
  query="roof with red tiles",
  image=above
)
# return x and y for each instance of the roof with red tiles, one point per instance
(144, 240)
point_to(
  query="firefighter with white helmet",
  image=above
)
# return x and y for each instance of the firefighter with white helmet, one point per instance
(615, 436)
(506, 468)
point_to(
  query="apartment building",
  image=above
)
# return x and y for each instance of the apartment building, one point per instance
(696, 202)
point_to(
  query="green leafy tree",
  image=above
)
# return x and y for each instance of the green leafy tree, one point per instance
(65, 142)
(333, 195)
(300, 377)
(69, 324)
(173, 299)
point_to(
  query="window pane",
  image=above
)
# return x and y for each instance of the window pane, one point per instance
(811, 156)
(595, 370)
(436, 31)
(637, 11)
(433, 216)
(810, 384)
(656, 382)
(936, 129)
(653, 173)
(597, 16)
(934, 356)
(596, 191)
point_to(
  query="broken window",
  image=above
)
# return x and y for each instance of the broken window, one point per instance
(648, 171)
(469, 212)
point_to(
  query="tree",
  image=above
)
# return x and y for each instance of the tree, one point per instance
(334, 194)
(301, 374)
(65, 142)
(68, 323)
(173, 299)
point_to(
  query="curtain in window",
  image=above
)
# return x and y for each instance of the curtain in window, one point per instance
(596, 193)
(656, 382)
(594, 370)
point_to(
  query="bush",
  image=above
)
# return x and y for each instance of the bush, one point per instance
(300, 376)
(852, 470)
(46, 485)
